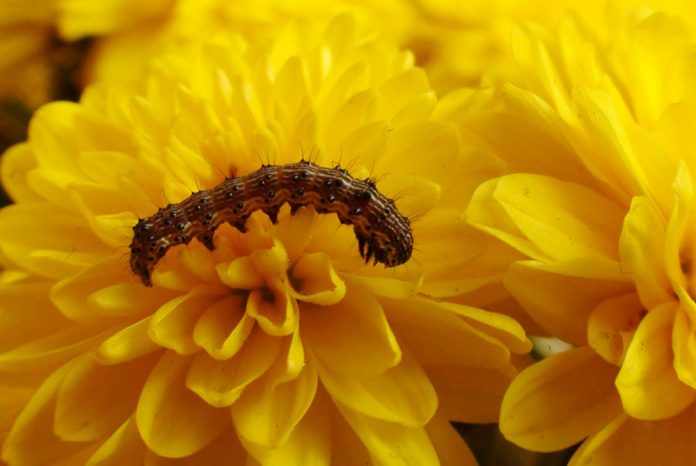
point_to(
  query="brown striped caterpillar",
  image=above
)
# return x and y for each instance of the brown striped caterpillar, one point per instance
(383, 233)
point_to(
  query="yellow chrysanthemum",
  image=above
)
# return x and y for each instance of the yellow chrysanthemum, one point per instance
(280, 346)
(455, 41)
(599, 200)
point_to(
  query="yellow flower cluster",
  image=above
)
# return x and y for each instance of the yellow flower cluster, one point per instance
(599, 201)
(551, 197)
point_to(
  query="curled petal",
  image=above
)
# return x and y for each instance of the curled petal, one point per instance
(223, 328)
(677, 229)
(558, 303)
(642, 251)
(16, 162)
(436, 335)
(536, 215)
(612, 324)
(172, 324)
(240, 273)
(274, 309)
(647, 383)
(536, 407)
(220, 383)
(316, 281)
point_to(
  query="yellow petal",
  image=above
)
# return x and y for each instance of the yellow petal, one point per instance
(96, 292)
(351, 114)
(411, 141)
(499, 326)
(124, 446)
(79, 18)
(672, 134)
(612, 324)
(67, 250)
(240, 273)
(631, 441)
(352, 336)
(172, 324)
(467, 394)
(226, 446)
(172, 420)
(291, 232)
(436, 335)
(223, 328)
(198, 260)
(390, 443)
(16, 299)
(274, 309)
(366, 144)
(403, 87)
(451, 251)
(308, 444)
(401, 394)
(16, 163)
(14, 399)
(647, 382)
(675, 236)
(53, 349)
(316, 281)
(559, 401)
(560, 304)
(346, 447)
(642, 251)
(553, 221)
(530, 124)
(34, 426)
(415, 196)
(127, 343)
(684, 346)
(51, 144)
(451, 448)
(633, 164)
(220, 383)
(94, 399)
(385, 287)
(271, 408)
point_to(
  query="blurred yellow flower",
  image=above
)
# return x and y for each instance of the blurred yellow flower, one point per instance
(599, 198)
(281, 346)
(25, 72)
(455, 41)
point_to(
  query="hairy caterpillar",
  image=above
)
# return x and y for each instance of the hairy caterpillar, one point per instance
(383, 233)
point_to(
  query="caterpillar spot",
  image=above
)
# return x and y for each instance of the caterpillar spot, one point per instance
(329, 190)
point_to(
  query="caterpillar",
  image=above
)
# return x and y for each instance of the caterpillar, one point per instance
(383, 233)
